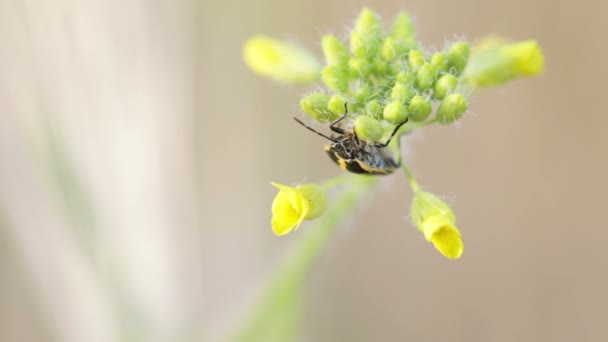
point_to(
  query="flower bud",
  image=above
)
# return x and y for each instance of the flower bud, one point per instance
(358, 45)
(360, 67)
(388, 51)
(445, 85)
(402, 92)
(435, 219)
(366, 37)
(403, 27)
(415, 59)
(335, 77)
(438, 60)
(527, 57)
(382, 67)
(316, 106)
(374, 109)
(499, 62)
(368, 128)
(425, 77)
(457, 57)
(419, 108)
(451, 109)
(334, 50)
(395, 67)
(363, 93)
(404, 34)
(336, 105)
(406, 77)
(395, 112)
(280, 61)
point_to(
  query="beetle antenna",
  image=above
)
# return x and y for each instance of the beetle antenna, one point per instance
(311, 129)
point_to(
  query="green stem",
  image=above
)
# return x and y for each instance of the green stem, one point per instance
(337, 180)
(410, 177)
(273, 317)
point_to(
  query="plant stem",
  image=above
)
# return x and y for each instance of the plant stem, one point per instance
(410, 177)
(337, 180)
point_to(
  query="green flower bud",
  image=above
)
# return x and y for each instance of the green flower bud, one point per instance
(316, 106)
(395, 112)
(368, 23)
(360, 67)
(425, 205)
(374, 109)
(334, 50)
(363, 93)
(388, 50)
(367, 34)
(496, 62)
(368, 128)
(457, 56)
(395, 67)
(404, 34)
(403, 28)
(336, 105)
(381, 66)
(405, 77)
(445, 85)
(451, 109)
(425, 77)
(402, 92)
(438, 60)
(415, 59)
(403, 47)
(358, 44)
(335, 77)
(419, 109)
(355, 107)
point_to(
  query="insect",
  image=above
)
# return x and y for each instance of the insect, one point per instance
(355, 155)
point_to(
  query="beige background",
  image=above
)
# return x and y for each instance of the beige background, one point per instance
(153, 224)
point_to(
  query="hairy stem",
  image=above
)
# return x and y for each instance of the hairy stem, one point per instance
(410, 177)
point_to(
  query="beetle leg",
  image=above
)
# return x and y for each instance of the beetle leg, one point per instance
(392, 135)
(333, 124)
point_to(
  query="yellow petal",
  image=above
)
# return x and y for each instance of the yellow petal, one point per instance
(528, 57)
(427, 208)
(498, 62)
(448, 241)
(280, 61)
(284, 215)
(281, 227)
(289, 209)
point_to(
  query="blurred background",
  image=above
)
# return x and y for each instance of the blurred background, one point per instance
(136, 151)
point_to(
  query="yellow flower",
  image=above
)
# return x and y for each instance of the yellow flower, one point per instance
(293, 205)
(281, 61)
(435, 219)
(496, 61)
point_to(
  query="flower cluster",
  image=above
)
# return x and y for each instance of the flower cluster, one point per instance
(386, 78)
